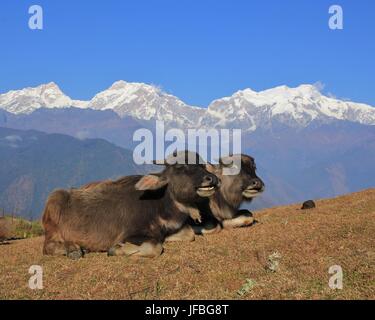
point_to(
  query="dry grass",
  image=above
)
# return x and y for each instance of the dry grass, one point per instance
(19, 228)
(305, 244)
(26, 229)
(5, 229)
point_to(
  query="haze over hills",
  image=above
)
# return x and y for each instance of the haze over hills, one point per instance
(319, 161)
(32, 164)
(306, 145)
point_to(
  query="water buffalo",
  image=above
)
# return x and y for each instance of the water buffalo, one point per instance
(223, 209)
(130, 216)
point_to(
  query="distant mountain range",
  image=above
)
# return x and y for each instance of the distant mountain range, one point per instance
(247, 109)
(306, 145)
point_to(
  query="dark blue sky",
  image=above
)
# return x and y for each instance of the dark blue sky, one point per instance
(196, 50)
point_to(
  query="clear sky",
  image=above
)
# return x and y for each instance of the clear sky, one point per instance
(198, 50)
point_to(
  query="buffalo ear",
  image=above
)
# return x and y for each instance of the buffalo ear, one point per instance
(151, 182)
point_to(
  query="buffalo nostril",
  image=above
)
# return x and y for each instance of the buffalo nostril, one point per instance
(208, 179)
(211, 180)
(256, 184)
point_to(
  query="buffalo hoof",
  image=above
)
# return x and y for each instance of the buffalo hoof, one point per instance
(75, 255)
(208, 227)
(244, 212)
(246, 219)
(211, 228)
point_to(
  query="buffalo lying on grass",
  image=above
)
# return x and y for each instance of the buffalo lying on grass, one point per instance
(131, 216)
(223, 209)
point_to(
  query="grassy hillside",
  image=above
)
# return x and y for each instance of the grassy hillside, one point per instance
(285, 256)
(18, 228)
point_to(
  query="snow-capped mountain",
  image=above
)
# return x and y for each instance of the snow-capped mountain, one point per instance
(27, 100)
(296, 107)
(246, 109)
(145, 102)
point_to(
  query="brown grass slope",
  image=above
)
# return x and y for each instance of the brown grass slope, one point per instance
(19, 228)
(5, 229)
(339, 232)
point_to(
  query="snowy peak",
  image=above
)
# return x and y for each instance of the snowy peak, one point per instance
(121, 94)
(146, 102)
(304, 90)
(297, 107)
(279, 94)
(132, 86)
(29, 99)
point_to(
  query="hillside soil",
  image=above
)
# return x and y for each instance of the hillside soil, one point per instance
(286, 255)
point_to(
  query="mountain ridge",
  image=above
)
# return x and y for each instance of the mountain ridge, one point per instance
(245, 109)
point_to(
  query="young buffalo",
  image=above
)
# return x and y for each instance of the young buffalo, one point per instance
(131, 216)
(234, 190)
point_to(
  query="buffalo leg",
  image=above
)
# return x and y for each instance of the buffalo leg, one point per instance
(73, 251)
(54, 248)
(185, 234)
(137, 247)
(207, 230)
(207, 227)
(245, 219)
